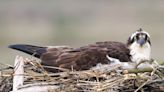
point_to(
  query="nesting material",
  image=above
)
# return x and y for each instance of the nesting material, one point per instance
(108, 79)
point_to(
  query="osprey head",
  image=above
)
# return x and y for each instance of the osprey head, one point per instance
(140, 37)
(140, 46)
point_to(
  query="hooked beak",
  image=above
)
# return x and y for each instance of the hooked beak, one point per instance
(141, 41)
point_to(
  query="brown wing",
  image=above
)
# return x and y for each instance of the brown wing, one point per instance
(79, 59)
(86, 57)
(114, 49)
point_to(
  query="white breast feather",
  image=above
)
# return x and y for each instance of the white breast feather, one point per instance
(139, 53)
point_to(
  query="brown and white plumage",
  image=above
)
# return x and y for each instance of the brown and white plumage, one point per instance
(80, 58)
(84, 57)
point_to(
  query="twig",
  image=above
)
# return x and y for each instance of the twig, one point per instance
(58, 68)
(139, 70)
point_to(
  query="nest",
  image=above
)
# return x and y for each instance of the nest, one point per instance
(111, 79)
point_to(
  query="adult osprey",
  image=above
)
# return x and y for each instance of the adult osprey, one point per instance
(138, 48)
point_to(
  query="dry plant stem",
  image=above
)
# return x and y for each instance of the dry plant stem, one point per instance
(140, 70)
(110, 84)
(143, 70)
(150, 79)
(140, 63)
(150, 69)
(84, 81)
(142, 85)
(45, 72)
(58, 68)
(89, 73)
(7, 66)
(161, 63)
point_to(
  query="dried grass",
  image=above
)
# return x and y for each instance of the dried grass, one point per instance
(107, 80)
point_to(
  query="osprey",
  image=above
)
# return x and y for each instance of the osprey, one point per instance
(137, 48)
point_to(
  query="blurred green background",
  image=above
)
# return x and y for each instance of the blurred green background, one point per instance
(78, 22)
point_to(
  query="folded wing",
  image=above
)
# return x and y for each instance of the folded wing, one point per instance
(81, 58)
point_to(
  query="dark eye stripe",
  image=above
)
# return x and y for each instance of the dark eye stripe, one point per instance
(132, 40)
(137, 36)
(146, 37)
